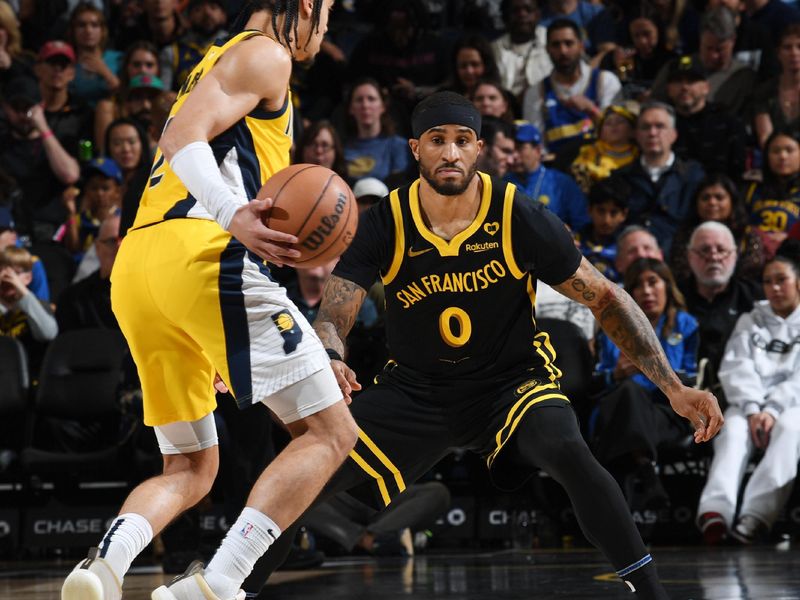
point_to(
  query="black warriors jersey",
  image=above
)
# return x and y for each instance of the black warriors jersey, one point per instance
(464, 307)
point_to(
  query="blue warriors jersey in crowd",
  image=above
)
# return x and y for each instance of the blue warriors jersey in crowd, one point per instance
(248, 153)
(562, 123)
(602, 254)
(769, 213)
(556, 191)
(463, 307)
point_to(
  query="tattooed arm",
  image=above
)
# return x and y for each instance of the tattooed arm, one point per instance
(341, 301)
(628, 327)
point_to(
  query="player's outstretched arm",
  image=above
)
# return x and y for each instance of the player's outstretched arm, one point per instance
(341, 301)
(628, 327)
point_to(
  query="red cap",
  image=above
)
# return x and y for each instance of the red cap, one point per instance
(56, 48)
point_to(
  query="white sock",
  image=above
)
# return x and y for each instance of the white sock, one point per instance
(248, 539)
(128, 535)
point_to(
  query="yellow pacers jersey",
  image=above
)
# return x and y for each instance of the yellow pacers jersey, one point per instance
(248, 153)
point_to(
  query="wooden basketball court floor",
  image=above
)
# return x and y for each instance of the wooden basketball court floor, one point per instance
(688, 573)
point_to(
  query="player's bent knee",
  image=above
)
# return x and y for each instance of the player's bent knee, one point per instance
(201, 467)
(190, 448)
(336, 428)
(345, 431)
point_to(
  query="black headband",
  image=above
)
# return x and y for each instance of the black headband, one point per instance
(445, 114)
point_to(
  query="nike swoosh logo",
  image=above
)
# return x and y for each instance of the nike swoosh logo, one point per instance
(271, 534)
(412, 253)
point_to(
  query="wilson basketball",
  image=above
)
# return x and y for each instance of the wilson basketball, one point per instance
(316, 205)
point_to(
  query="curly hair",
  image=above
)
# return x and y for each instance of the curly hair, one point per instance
(287, 35)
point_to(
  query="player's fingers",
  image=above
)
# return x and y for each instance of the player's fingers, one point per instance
(340, 370)
(714, 421)
(351, 378)
(259, 205)
(284, 251)
(698, 421)
(219, 385)
(277, 254)
(278, 237)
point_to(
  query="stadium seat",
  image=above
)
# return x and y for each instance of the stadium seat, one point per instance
(59, 265)
(78, 394)
(13, 399)
(13, 377)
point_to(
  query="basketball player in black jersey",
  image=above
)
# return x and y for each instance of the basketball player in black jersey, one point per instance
(459, 254)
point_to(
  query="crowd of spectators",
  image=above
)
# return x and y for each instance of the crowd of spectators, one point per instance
(664, 133)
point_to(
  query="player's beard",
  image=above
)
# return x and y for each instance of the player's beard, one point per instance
(449, 188)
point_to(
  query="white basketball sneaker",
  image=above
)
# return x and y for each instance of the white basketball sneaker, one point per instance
(190, 586)
(92, 579)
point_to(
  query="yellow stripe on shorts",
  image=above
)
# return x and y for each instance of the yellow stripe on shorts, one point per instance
(501, 441)
(372, 472)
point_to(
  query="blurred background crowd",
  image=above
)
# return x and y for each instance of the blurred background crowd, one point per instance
(664, 133)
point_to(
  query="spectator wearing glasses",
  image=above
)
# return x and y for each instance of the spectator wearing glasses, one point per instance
(761, 375)
(321, 145)
(32, 148)
(662, 184)
(718, 199)
(714, 294)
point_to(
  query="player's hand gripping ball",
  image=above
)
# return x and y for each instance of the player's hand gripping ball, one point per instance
(315, 205)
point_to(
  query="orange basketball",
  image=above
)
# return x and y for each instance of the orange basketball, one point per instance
(316, 205)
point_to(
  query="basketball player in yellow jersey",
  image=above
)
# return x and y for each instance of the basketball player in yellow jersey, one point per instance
(194, 298)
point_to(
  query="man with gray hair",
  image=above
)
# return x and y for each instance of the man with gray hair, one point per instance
(731, 81)
(714, 294)
(635, 242)
(662, 184)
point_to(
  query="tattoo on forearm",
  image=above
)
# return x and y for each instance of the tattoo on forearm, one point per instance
(341, 301)
(626, 325)
(623, 321)
(579, 285)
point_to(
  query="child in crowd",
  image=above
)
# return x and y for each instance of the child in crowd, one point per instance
(22, 315)
(9, 238)
(101, 196)
(608, 209)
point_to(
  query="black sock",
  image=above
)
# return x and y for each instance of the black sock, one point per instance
(549, 438)
(641, 577)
